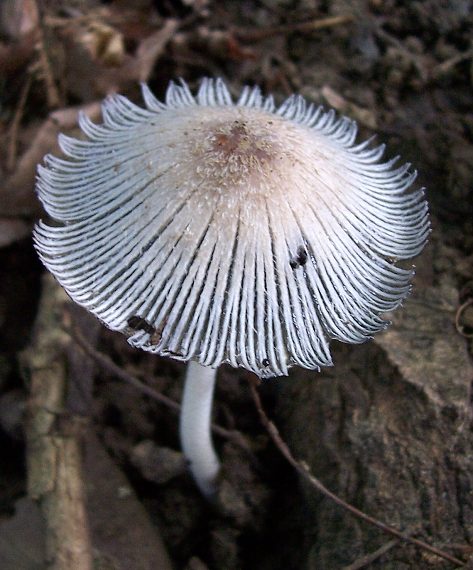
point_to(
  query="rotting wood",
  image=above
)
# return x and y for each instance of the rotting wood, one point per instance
(304, 470)
(70, 474)
(54, 456)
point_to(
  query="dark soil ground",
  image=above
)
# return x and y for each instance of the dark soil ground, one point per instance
(388, 428)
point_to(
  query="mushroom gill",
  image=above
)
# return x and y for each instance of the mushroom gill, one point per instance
(236, 232)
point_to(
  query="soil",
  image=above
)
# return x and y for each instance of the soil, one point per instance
(388, 428)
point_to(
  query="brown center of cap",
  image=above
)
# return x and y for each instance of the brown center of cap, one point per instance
(238, 141)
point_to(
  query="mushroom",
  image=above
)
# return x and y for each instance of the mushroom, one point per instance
(215, 231)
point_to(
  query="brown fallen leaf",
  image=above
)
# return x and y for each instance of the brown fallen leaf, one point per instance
(364, 116)
(89, 76)
(17, 196)
(151, 48)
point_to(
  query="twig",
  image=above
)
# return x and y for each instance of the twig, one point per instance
(304, 470)
(447, 65)
(466, 549)
(107, 364)
(52, 92)
(301, 27)
(395, 42)
(15, 124)
(372, 556)
(54, 440)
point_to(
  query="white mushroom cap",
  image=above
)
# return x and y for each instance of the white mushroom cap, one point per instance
(216, 231)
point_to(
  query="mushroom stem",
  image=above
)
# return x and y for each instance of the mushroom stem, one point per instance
(195, 425)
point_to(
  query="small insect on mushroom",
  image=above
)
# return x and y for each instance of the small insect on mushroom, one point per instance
(299, 259)
(201, 229)
(138, 323)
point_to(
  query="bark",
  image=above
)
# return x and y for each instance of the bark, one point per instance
(54, 457)
(86, 501)
(389, 430)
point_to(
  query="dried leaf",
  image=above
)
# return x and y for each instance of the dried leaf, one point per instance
(425, 346)
(17, 197)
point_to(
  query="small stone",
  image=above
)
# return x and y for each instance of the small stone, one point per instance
(157, 464)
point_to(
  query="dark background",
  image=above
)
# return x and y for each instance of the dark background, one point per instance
(389, 427)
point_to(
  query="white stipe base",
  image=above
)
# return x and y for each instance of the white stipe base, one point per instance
(195, 424)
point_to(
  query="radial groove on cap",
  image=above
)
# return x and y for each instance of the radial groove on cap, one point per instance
(230, 232)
